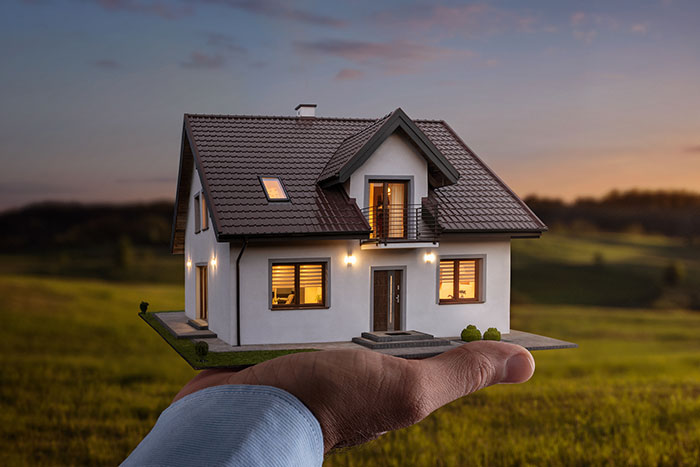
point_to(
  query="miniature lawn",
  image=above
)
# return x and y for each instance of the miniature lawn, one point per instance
(84, 380)
(185, 347)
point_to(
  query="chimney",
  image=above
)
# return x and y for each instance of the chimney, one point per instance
(306, 110)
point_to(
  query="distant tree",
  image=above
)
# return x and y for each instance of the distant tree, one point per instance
(674, 273)
(143, 306)
(598, 259)
(124, 256)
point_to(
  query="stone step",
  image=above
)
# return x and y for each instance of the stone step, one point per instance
(198, 324)
(392, 336)
(400, 343)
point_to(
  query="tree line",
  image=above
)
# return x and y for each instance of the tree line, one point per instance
(671, 213)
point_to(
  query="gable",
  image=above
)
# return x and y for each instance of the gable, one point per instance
(356, 149)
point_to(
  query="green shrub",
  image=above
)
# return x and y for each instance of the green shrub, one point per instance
(471, 333)
(201, 348)
(492, 334)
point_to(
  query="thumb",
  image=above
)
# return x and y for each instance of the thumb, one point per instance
(473, 366)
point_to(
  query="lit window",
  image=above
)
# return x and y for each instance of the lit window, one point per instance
(274, 190)
(205, 213)
(299, 285)
(460, 280)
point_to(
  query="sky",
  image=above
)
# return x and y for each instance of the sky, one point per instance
(559, 98)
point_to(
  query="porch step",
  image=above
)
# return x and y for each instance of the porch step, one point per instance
(393, 336)
(198, 324)
(396, 344)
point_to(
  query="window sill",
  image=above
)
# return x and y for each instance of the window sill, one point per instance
(296, 307)
(462, 302)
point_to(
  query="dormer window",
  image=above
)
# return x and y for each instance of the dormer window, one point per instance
(274, 190)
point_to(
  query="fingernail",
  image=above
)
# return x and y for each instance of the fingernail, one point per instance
(519, 368)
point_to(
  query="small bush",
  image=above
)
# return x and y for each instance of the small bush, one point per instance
(143, 306)
(201, 348)
(492, 334)
(674, 273)
(471, 333)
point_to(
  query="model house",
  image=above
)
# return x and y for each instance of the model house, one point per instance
(308, 229)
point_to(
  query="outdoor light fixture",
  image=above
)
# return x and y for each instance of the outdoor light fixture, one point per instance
(189, 264)
(213, 261)
(429, 257)
(350, 260)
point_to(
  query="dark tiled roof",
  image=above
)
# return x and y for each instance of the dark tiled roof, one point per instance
(349, 148)
(233, 151)
(479, 201)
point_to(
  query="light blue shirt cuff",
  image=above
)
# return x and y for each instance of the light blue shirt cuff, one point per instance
(233, 425)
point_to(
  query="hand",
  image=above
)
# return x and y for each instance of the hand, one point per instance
(357, 395)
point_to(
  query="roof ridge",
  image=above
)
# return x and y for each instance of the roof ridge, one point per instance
(293, 117)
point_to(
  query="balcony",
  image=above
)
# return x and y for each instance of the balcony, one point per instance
(402, 224)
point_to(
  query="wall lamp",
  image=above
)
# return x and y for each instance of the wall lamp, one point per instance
(189, 264)
(213, 261)
(429, 257)
(350, 260)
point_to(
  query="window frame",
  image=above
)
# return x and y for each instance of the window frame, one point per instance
(267, 196)
(197, 213)
(325, 283)
(203, 212)
(480, 275)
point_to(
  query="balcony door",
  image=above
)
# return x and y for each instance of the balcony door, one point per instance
(388, 208)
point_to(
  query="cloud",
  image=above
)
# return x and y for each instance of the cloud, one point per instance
(160, 8)
(460, 20)
(225, 43)
(640, 28)
(585, 36)
(203, 61)
(577, 18)
(394, 56)
(106, 64)
(693, 149)
(349, 74)
(279, 9)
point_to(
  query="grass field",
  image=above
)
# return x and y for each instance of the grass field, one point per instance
(84, 378)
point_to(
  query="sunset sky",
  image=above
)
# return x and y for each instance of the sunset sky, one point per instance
(559, 98)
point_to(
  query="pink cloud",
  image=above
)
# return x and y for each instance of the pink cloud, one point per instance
(281, 10)
(577, 18)
(349, 74)
(463, 20)
(393, 56)
(640, 28)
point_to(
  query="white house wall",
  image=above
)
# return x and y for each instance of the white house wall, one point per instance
(202, 248)
(350, 291)
(395, 158)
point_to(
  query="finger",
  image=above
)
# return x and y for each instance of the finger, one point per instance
(203, 379)
(473, 366)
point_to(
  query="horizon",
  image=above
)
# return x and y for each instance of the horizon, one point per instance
(558, 100)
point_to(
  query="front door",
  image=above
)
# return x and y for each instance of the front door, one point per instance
(201, 293)
(387, 300)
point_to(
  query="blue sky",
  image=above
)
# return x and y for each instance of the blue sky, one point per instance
(560, 98)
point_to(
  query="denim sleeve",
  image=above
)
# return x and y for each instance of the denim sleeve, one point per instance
(233, 425)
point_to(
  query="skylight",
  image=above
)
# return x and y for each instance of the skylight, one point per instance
(274, 190)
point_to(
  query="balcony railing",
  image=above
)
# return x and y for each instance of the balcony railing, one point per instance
(403, 223)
